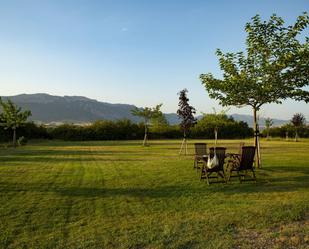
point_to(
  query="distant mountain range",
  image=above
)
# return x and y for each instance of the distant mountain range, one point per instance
(47, 108)
(249, 120)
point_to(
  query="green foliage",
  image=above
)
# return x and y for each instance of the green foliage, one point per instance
(100, 130)
(29, 130)
(159, 124)
(126, 130)
(12, 117)
(298, 120)
(22, 141)
(275, 66)
(185, 112)
(302, 131)
(268, 123)
(226, 126)
(148, 113)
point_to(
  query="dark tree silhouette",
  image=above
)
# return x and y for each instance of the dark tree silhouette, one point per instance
(298, 120)
(185, 113)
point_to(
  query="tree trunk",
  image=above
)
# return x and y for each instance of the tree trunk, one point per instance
(184, 144)
(185, 138)
(14, 137)
(145, 136)
(256, 138)
(296, 135)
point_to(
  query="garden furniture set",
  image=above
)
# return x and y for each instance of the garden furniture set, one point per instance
(227, 165)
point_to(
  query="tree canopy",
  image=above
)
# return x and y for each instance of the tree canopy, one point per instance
(298, 120)
(12, 117)
(226, 126)
(148, 114)
(273, 68)
(185, 112)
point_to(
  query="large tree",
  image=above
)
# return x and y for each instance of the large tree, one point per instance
(274, 67)
(298, 120)
(148, 114)
(12, 117)
(186, 114)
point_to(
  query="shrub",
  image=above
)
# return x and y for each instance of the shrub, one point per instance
(227, 127)
(127, 130)
(288, 128)
(22, 141)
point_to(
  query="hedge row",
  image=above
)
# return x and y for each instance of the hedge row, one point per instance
(287, 130)
(126, 130)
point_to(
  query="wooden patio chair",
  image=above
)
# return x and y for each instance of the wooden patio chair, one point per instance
(199, 155)
(219, 169)
(243, 163)
(234, 157)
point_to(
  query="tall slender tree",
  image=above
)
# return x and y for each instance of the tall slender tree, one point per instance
(298, 120)
(147, 114)
(268, 124)
(12, 117)
(186, 114)
(274, 67)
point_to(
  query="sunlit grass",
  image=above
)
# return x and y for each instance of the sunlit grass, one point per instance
(121, 195)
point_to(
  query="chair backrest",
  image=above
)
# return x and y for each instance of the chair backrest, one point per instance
(200, 149)
(220, 153)
(247, 157)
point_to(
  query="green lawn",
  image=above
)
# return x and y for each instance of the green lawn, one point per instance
(123, 195)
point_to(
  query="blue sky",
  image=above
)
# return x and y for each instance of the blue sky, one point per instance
(136, 52)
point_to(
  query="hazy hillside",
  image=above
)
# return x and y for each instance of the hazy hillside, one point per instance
(249, 120)
(77, 109)
(48, 108)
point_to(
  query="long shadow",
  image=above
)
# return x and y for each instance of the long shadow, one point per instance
(274, 185)
(69, 155)
(119, 143)
(287, 168)
(70, 152)
(61, 143)
(281, 185)
(38, 159)
(77, 152)
(160, 192)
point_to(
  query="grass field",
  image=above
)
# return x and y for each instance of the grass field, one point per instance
(123, 195)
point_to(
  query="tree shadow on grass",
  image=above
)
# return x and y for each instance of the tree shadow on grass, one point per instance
(280, 185)
(286, 169)
(161, 192)
(278, 179)
(71, 152)
(70, 155)
(44, 159)
(62, 143)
